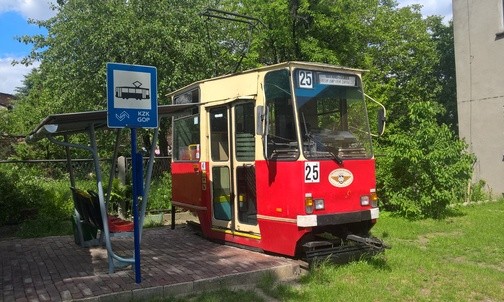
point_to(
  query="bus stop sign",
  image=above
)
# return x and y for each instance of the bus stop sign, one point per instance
(131, 96)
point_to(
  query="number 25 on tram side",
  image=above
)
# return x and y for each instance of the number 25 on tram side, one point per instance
(279, 158)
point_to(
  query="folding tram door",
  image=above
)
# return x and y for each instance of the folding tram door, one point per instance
(232, 168)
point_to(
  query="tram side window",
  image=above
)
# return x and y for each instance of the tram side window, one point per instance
(244, 132)
(219, 134)
(186, 138)
(281, 138)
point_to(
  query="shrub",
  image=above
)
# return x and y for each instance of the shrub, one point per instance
(478, 192)
(160, 193)
(26, 194)
(424, 169)
(10, 199)
(120, 198)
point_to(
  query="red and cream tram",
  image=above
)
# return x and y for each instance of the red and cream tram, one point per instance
(279, 158)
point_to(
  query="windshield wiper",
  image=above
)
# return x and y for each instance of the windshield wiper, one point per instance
(336, 158)
(308, 134)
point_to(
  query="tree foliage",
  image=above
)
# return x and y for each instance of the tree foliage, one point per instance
(410, 63)
(85, 35)
(444, 71)
(426, 168)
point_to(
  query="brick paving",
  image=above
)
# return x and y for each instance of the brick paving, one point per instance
(172, 262)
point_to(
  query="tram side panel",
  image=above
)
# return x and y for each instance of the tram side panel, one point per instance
(279, 200)
(190, 189)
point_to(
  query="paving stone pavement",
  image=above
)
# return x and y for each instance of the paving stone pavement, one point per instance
(173, 262)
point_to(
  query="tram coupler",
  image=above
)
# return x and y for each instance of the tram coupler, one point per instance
(343, 251)
(369, 241)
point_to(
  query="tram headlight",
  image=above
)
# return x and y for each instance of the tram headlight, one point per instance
(364, 200)
(308, 203)
(319, 204)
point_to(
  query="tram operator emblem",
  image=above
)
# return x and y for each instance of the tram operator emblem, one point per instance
(341, 178)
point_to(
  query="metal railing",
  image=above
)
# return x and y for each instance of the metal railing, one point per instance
(83, 168)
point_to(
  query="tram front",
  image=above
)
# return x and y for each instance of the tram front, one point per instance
(317, 122)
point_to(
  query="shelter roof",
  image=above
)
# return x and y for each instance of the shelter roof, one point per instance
(67, 123)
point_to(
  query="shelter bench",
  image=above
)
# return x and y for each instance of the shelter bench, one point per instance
(87, 205)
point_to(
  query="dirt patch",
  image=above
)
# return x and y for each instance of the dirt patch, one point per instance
(180, 218)
(424, 240)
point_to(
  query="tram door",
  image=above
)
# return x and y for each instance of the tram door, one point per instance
(232, 164)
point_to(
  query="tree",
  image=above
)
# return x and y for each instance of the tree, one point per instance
(445, 70)
(85, 35)
(424, 167)
(408, 59)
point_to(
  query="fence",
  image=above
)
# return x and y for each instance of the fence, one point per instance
(84, 168)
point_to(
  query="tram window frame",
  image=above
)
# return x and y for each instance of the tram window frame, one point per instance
(281, 141)
(219, 134)
(189, 149)
(244, 131)
(191, 96)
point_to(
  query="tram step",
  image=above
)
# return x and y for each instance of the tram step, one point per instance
(318, 244)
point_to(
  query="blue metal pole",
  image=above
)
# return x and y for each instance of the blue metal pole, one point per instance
(136, 193)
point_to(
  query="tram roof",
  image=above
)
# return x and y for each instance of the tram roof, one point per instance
(320, 66)
(67, 123)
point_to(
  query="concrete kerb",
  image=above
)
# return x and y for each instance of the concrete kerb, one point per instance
(282, 273)
(287, 272)
(114, 297)
(147, 294)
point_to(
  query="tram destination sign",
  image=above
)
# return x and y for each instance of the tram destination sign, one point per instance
(131, 96)
(308, 79)
(336, 79)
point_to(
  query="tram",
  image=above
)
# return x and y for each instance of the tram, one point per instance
(280, 159)
(132, 92)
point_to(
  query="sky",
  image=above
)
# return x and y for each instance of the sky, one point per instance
(14, 15)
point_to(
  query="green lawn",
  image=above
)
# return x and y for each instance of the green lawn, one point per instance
(460, 258)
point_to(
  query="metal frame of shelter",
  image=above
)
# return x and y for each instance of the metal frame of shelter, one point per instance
(65, 125)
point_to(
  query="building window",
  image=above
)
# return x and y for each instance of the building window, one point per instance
(502, 16)
(500, 34)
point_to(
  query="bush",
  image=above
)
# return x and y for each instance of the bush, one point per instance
(478, 192)
(120, 198)
(26, 194)
(31, 197)
(425, 169)
(160, 193)
(11, 200)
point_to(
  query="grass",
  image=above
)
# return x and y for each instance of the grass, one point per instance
(457, 259)
(460, 258)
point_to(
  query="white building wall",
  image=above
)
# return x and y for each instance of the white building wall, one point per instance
(479, 57)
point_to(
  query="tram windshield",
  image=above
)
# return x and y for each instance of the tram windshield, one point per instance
(332, 115)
